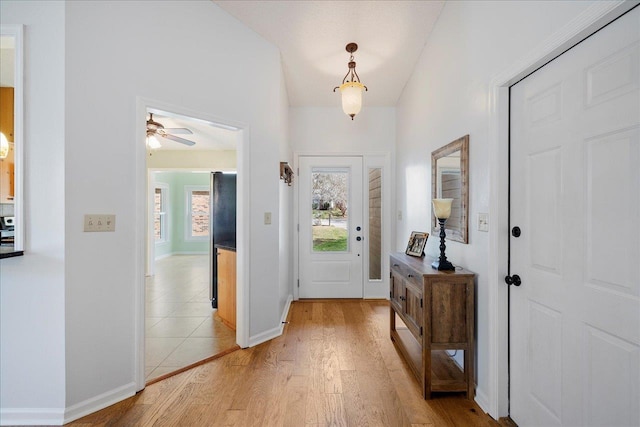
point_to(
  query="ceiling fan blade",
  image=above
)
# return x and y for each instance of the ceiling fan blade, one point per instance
(178, 131)
(178, 139)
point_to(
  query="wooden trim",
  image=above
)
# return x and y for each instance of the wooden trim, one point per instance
(461, 144)
(193, 365)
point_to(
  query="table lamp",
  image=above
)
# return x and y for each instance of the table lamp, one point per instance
(442, 211)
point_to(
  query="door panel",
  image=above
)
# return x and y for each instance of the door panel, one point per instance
(575, 193)
(397, 291)
(603, 246)
(331, 227)
(413, 307)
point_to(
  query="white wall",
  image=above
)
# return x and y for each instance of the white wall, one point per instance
(68, 315)
(329, 130)
(186, 53)
(32, 350)
(448, 97)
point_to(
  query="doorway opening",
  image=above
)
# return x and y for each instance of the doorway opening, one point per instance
(182, 324)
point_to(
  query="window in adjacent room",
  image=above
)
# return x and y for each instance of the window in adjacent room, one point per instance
(197, 213)
(160, 220)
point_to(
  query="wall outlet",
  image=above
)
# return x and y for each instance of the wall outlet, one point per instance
(267, 218)
(99, 222)
(483, 222)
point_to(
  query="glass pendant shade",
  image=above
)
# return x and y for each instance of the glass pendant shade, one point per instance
(152, 142)
(442, 208)
(351, 98)
(4, 146)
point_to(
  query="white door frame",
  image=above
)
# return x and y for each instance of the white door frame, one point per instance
(243, 228)
(372, 289)
(585, 24)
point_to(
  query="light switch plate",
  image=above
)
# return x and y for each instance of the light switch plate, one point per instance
(99, 222)
(483, 222)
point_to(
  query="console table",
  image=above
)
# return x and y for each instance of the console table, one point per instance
(433, 311)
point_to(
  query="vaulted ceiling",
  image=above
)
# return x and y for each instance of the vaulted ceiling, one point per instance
(312, 36)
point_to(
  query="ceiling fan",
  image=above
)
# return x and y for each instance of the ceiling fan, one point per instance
(155, 129)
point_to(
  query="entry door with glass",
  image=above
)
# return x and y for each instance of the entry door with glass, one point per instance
(331, 227)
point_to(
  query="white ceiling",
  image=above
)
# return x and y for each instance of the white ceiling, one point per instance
(206, 135)
(312, 36)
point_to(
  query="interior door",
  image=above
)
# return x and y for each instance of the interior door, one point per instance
(575, 189)
(331, 231)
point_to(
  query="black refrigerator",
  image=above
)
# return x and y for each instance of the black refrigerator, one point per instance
(222, 223)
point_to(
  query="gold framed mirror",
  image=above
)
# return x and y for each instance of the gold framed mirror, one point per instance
(450, 180)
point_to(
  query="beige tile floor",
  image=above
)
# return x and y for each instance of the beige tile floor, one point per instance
(181, 327)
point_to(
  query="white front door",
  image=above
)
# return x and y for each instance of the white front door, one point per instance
(575, 190)
(331, 227)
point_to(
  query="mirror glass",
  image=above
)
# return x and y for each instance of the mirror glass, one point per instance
(450, 180)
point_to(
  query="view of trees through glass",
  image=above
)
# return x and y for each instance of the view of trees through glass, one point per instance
(329, 209)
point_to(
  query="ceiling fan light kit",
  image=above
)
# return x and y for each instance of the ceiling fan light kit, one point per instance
(351, 88)
(152, 142)
(157, 129)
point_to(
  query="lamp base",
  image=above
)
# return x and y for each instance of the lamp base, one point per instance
(443, 265)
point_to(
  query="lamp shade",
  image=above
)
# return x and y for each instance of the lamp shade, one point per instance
(442, 208)
(152, 142)
(351, 98)
(4, 146)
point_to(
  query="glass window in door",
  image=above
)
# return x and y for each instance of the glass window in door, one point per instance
(329, 208)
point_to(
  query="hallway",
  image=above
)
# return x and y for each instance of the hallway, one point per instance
(334, 365)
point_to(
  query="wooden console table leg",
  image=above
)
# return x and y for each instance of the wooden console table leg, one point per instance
(426, 374)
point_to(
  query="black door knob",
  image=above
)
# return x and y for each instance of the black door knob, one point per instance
(513, 280)
(515, 231)
(358, 228)
(358, 238)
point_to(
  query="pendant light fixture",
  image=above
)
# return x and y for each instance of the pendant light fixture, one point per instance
(351, 88)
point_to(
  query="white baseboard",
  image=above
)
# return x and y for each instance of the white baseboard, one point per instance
(31, 416)
(96, 403)
(265, 336)
(285, 312)
(482, 400)
(274, 332)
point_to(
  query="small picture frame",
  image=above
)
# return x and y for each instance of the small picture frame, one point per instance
(417, 241)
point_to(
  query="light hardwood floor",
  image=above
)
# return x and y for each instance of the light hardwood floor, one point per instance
(335, 365)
